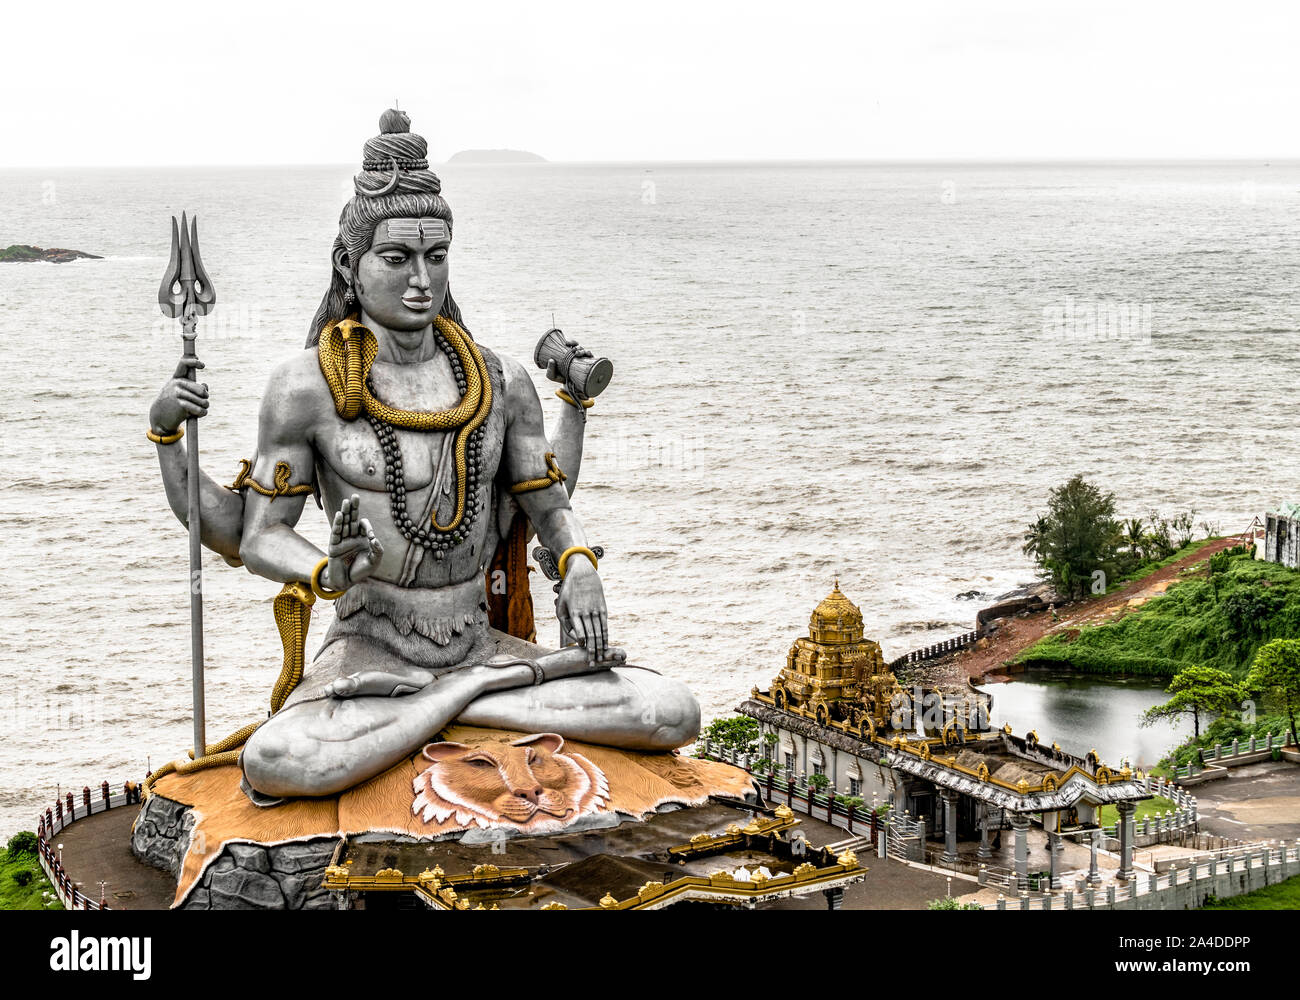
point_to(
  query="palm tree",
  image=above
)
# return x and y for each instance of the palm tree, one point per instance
(1133, 535)
(1036, 538)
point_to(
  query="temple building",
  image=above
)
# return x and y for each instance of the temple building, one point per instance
(1282, 537)
(836, 709)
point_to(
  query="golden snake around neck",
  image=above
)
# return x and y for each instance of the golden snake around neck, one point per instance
(346, 351)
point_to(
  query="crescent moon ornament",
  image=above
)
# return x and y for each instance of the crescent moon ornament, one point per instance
(384, 189)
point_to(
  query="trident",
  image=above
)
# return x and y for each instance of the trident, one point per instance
(186, 294)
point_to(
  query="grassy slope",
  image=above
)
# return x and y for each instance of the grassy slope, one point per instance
(1152, 807)
(1283, 896)
(28, 897)
(1189, 624)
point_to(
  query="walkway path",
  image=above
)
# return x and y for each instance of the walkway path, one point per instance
(99, 846)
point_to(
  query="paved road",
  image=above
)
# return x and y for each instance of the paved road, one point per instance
(99, 847)
(1255, 802)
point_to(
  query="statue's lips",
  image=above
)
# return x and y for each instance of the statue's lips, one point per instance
(417, 302)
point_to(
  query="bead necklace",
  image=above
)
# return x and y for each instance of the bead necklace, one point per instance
(430, 537)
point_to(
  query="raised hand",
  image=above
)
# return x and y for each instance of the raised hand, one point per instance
(180, 398)
(581, 607)
(354, 551)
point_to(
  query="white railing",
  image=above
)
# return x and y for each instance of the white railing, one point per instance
(1186, 871)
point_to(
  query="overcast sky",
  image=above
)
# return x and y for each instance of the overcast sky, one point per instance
(230, 82)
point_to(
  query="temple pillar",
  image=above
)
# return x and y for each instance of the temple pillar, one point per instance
(1020, 824)
(949, 826)
(985, 851)
(1125, 810)
(1055, 845)
(1094, 876)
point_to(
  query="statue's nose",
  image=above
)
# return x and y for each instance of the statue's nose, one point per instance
(420, 279)
(529, 788)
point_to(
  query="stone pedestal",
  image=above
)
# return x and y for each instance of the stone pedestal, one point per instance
(243, 876)
(227, 853)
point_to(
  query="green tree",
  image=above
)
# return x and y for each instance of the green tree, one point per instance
(1197, 689)
(22, 843)
(1276, 670)
(1246, 611)
(738, 734)
(1134, 529)
(1077, 537)
(819, 781)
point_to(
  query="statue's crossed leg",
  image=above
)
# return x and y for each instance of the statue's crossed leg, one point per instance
(366, 721)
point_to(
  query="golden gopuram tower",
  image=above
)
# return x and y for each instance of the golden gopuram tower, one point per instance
(834, 674)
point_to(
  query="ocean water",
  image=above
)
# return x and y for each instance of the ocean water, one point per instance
(875, 371)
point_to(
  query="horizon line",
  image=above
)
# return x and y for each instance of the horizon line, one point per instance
(1263, 160)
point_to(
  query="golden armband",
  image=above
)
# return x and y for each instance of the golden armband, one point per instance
(280, 484)
(553, 476)
(165, 438)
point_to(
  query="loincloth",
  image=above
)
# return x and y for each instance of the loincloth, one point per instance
(439, 629)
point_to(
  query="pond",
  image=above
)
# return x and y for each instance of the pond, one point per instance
(1087, 711)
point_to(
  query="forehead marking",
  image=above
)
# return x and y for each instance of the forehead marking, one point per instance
(422, 229)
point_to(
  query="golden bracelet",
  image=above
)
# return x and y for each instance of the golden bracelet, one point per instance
(586, 404)
(165, 438)
(317, 589)
(564, 558)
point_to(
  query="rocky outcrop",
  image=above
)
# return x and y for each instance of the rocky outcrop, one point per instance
(244, 876)
(257, 877)
(161, 835)
(21, 253)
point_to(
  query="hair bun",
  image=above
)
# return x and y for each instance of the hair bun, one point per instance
(393, 120)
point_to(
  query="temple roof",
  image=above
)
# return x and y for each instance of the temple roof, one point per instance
(836, 618)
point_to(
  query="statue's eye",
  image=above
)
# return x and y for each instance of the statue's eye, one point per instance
(438, 256)
(394, 258)
(480, 762)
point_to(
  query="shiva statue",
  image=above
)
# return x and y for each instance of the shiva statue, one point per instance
(431, 450)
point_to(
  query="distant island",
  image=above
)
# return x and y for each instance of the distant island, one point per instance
(495, 156)
(21, 253)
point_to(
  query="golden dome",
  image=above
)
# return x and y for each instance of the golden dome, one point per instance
(836, 619)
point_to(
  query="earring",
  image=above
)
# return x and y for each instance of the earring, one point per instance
(349, 296)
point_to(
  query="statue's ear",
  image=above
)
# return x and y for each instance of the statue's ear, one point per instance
(551, 742)
(341, 263)
(441, 751)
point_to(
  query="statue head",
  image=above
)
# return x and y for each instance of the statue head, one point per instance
(393, 237)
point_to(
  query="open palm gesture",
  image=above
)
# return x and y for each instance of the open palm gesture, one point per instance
(354, 551)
